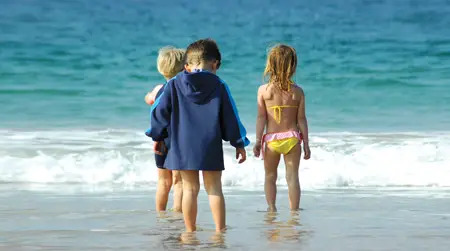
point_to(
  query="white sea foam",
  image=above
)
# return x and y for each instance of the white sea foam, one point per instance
(125, 157)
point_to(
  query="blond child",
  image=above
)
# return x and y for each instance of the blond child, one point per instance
(169, 63)
(281, 115)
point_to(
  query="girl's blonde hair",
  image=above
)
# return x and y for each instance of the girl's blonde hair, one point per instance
(170, 61)
(281, 66)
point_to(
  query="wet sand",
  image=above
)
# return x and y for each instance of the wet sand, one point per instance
(74, 218)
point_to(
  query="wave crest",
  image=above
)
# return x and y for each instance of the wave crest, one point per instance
(125, 157)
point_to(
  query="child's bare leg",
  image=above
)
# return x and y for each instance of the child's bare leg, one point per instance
(271, 161)
(177, 191)
(163, 188)
(213, 186)
(292, 161)
(191, 186)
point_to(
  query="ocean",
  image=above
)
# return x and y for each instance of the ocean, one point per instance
(73, 76)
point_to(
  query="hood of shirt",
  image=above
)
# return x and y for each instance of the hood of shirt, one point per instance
(199, 86)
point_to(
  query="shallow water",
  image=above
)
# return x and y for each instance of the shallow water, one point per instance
(109, 219)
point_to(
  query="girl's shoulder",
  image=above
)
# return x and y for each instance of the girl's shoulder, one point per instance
(297, 88)
(265, 91)
(297, 92)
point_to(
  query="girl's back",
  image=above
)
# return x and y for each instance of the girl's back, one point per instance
(281, 107)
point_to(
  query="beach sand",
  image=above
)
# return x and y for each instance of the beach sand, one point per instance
(106, 218)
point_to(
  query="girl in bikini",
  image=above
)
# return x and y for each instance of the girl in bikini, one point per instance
(281, 116)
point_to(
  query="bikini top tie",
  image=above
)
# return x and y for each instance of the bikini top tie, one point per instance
(277, 111)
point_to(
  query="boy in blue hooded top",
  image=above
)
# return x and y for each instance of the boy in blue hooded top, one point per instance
(197, 109)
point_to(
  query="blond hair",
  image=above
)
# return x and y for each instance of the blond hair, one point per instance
(280, 67)
(170, 61)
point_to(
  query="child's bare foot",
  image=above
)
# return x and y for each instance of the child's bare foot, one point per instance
(218, 239)
(189, 238)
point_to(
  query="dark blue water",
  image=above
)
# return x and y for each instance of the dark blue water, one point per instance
(364, 65)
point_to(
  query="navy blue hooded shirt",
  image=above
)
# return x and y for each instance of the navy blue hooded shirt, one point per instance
(198, 112)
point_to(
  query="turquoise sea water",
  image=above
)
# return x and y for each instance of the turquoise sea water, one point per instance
(73, 75)
(371, 66)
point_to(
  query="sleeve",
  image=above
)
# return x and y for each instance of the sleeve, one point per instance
(160, 114)
(231, 126)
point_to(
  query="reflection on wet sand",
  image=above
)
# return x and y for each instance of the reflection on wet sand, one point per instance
(170, 217)
(171, 228)
(284, 231)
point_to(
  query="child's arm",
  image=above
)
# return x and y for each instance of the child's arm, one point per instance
(231, 126)
(160, 114)
(151, 96)
(261, 121)
(302, 123)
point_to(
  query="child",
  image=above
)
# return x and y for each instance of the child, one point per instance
(284, 102)
(170, 62)
(199, 112)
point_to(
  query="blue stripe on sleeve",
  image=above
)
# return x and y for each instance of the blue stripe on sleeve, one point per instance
(242, 131)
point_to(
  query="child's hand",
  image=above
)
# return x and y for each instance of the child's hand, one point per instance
(242, 153)
(149, 98)
(159, 147)
(307, 151)
(257, 149)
